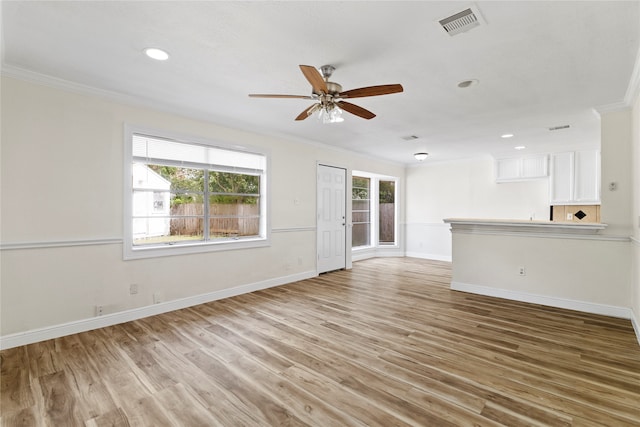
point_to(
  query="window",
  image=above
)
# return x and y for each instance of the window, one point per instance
(386, 212)
(186, 197)
(373, 203)
(361, 212)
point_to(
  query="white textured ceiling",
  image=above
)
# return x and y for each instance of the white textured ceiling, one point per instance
(540, 64)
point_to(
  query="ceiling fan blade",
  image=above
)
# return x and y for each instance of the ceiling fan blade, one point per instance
(371, 91)
(354, 109)
(307, 112)
(265, 95)
(315, 78)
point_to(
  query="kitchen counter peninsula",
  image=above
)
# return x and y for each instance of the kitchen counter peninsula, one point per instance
(561, 264)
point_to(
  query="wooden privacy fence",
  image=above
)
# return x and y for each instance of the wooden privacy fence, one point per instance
(361, 227)
(224, 219)
(387, 222)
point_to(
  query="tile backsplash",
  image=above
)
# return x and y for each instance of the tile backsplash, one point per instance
(575, 213)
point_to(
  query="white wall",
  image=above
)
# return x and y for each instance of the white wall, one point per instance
(62, 221)
(616, 146)
(463, 189)
(635, 219)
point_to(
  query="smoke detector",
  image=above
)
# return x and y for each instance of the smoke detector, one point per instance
(462, 21)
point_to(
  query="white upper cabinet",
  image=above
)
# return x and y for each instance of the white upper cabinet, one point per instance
(575, 177)
(587, 176)
(561, 182)
(521, 168)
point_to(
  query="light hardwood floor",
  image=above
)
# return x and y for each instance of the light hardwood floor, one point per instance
(385, 344)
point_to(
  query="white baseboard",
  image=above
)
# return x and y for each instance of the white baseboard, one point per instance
(362, 254)
(57, 331)
(434, 257)
(587, 307)
(636, 325)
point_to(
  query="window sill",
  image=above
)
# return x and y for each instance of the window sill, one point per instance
(131, 253)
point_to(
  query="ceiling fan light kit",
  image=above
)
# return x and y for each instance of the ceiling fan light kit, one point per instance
(329, 96)
(330, 114)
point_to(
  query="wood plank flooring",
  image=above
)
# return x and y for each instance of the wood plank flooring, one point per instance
(385, 344)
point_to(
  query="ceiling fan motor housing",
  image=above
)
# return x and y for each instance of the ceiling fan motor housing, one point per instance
(334, 88)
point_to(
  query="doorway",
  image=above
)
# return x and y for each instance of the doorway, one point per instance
(331, 220)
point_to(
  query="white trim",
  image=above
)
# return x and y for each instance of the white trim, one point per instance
(427, 224)
(434, 257)
(107, 241)
(143, 252)
(587, 307)
(523, 228)
(56, 331)
(634, 240)
(546, 235)
(60, 243)
(612, 108)
(70, 86)
(499, 225)
(376, 252)
(633, 90)
(636, 326)
(293, 229)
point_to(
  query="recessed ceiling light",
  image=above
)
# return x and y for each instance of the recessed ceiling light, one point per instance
(155, 53)
(520, 147)
(506, 135)
(467, 83)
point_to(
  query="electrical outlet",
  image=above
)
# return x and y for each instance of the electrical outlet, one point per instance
(99, 310)
(133, 288)
(522, 271)
(158, 297)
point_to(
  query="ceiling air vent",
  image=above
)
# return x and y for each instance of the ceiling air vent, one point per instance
(461, 22)
(560, 127)
(410, 137)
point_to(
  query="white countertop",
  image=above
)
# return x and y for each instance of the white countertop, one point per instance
(528, 226)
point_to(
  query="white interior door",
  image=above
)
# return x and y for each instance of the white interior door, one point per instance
(332, 188)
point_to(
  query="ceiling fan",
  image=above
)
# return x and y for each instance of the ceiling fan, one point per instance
(329, 96)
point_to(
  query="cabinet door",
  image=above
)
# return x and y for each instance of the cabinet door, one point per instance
(507, 169)
(521, 168)
(534, 167)
(561, 178)
(587, 176)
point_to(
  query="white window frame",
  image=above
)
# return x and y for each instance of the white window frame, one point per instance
(395, 212)
(370, 205)
(374, 206)
(151, 251)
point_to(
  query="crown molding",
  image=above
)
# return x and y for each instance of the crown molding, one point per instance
(612, 108)
(632, 93)
(633, 90)
(58, 83)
